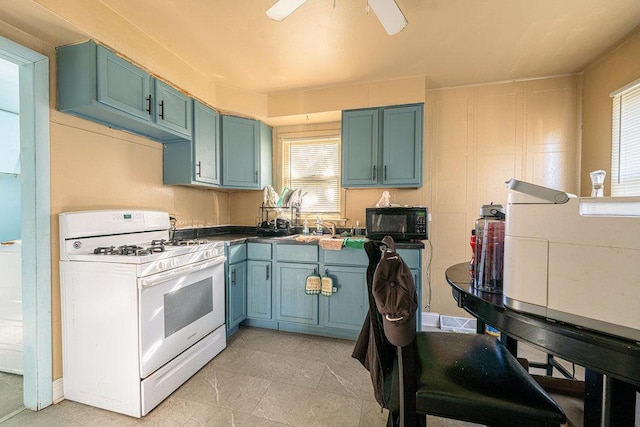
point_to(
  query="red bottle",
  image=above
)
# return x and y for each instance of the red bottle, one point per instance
(472, 242)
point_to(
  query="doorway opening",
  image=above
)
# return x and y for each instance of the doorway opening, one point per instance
(35, 227)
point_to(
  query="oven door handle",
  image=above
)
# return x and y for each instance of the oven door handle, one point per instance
(166, 276)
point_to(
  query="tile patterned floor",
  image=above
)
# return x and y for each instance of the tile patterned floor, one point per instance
(10, 394)
(263, 378)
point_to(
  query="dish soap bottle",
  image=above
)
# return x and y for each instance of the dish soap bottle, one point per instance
(319, 226)
(305, 228)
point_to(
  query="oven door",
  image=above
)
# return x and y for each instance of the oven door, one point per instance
(177, 308)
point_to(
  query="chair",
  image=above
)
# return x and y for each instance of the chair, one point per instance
(467, 377)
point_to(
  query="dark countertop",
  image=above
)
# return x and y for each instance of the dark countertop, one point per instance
(236, 239)
(231, 235)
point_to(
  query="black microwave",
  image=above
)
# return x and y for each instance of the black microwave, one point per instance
(397, 222)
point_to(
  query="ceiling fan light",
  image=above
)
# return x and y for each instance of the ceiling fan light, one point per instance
(389, 15)
(283, 8)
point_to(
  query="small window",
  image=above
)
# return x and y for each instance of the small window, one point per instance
(625, 147)
(313, 166)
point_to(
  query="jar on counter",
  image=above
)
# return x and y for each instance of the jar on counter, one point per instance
(488, 255)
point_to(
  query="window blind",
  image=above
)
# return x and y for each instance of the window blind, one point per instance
(313, 166)
(625, 147)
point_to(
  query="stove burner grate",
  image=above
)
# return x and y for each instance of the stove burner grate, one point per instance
(185, 242)
(158, 245)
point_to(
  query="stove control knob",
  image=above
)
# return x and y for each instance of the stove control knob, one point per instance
(163, 265)
(209, 253)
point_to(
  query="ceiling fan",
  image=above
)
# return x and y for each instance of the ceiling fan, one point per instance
(387, 11)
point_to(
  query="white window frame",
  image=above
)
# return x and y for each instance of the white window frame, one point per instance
(328, 214)
(625, 141)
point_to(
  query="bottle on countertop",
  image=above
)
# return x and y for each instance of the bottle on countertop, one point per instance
(319, 226)
(472, 243)
(305, 228)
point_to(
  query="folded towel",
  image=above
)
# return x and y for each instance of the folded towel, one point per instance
(313, 284)
(350, 242)
(331, 243)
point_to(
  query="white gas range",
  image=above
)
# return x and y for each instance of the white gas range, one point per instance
(141, 313)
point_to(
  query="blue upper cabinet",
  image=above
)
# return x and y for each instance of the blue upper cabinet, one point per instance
(243, 156)
(121, 85)
(360, 132)
(196, 162)
(402, 146)
(382, 147)
(173, 109)
(97, 84)
(206, 142)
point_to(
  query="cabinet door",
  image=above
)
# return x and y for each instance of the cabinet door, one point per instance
(347, 307)
(294, 305)
(122, 85)
(236, 294)
(266, 164)
(259, 289)
(206, 144)
(360, 132)
(172, 109)
(402, 146)
(240, 152)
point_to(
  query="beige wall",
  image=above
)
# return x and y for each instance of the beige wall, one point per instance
(481, 136)
(619, 66)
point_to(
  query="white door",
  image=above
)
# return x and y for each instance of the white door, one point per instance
(11, 309)
(11, 332)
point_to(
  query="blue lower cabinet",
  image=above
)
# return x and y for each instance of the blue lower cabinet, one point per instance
(294, 304)
(236, 295)
(259, 274)
(274, 293)
(347, 307)
(236, 286)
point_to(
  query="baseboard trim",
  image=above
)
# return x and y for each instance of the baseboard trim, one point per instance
(58, 391)
(430, 319)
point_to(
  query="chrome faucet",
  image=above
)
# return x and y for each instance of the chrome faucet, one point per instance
(331, 227)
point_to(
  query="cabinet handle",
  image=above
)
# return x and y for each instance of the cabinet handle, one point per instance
(374, 176)
(256, 179)
(233, 277)
(267, 272)
(162, 109)
(385, 172)
(149, 107)
(198, 168)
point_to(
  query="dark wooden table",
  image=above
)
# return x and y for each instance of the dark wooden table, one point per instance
(612, 364)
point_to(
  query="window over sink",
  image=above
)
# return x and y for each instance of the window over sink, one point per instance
(313, 166)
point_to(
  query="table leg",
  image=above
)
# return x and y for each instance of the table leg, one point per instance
(608, 402)
(592, 398)
(620, 402)
(511, 344)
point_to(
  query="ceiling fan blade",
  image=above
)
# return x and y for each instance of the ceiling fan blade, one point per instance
(283, 8)
(389, 15)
